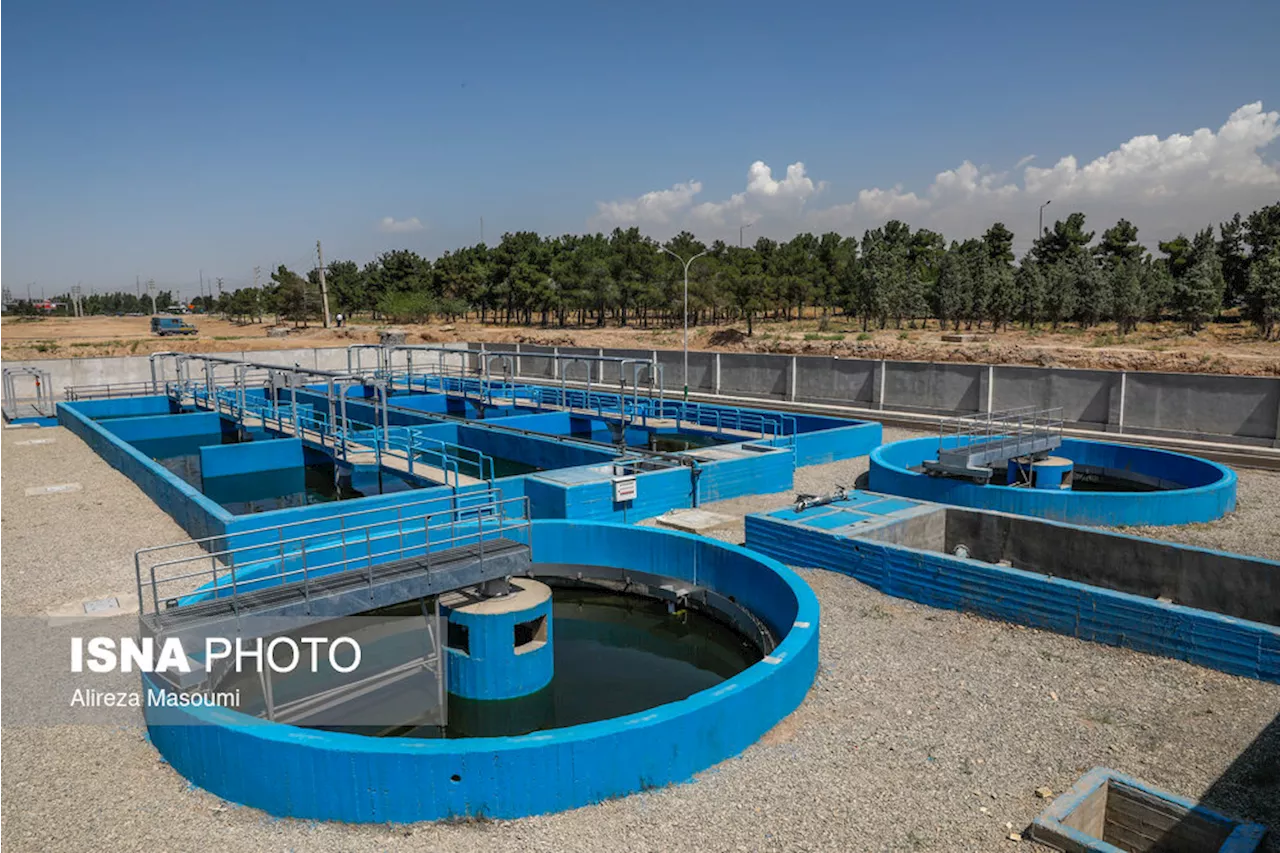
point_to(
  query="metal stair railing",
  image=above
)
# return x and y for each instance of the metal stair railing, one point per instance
(403, 442)
(978, 441)
(304, 558)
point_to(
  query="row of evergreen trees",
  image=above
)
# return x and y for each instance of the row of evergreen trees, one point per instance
(893, 275)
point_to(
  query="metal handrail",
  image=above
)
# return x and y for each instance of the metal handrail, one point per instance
(360, 434)
(109, 390)
(339, 517)
(279, 551)
(1015, 428)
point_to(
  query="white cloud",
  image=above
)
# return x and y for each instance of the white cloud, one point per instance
(390, 225)
(674, 207)
(1179, 183)
(659, 207)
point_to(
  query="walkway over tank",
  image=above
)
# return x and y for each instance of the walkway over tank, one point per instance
(284, 580)
(969, 447)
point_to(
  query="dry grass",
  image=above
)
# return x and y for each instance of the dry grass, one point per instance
(1221, 348)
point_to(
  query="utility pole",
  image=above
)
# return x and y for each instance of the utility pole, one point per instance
(137, 285)
(324, 288)
(482, 230)
(686, 312)
(257, 296)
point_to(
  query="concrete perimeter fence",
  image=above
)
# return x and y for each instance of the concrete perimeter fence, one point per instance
(1205, 407)
(1223, 408)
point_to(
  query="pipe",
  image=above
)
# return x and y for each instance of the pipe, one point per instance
(804, 502)
(152, 358)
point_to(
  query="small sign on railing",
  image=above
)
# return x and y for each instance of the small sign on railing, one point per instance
(624, 489)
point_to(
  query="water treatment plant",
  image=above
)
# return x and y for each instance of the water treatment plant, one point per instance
(572, 587)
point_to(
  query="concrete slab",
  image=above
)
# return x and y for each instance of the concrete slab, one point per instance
(694, 520)
(113, 604)
(57, 489)
(575, 476)
(716, 454)
(834, 520)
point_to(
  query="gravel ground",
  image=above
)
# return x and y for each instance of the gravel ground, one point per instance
(72, 545)
(926, 730)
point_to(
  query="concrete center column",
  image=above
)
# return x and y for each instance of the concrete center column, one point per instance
(500, 647)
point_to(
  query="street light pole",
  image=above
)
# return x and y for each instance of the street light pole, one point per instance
(1040, 233)
(686, 312)
(742, 228)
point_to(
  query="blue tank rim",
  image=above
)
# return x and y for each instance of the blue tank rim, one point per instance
(794, 647)
(1213, 498)
(1226, 476)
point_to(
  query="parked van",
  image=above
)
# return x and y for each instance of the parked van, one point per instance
(171, 326)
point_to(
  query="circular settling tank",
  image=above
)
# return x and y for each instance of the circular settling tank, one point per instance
(1084, 482)
(585, 683)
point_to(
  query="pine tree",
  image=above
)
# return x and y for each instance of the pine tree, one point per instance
(1197, 296)
(1090, 288)
(951, 289)
(1060, 293)
(1126, 295)
(1263, 295)
(1002, 304)
(1157, 289)
(1030, 286)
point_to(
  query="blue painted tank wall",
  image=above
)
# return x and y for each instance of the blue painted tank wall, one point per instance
(357, 410)
(491, 669)
(543, 452)
(656, 492)
(225, 460)
(759, 473)
(157, 405)
(1078, 610)
(1210, 489)
(825, 444)
(328, 776)
(427, 403)
(201, 517)
(164, 426)
(198, 515)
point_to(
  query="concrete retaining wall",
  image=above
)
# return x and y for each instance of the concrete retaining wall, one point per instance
(702, 370)
(1240, 409)
(754, 375)
(1173, 403)
(1056, 604)
(1230, 584)
(838, 381)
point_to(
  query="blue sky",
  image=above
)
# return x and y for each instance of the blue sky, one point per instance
(164, 139)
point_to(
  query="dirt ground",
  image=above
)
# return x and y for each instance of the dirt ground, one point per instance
(1221, 348)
